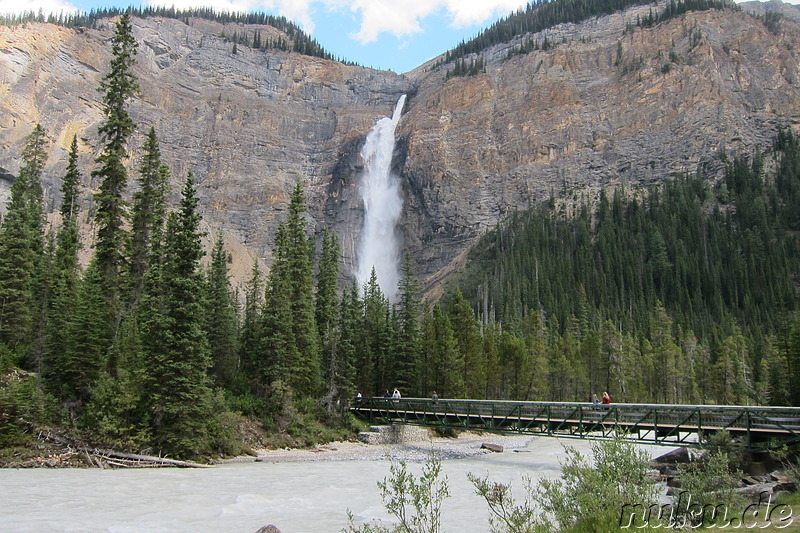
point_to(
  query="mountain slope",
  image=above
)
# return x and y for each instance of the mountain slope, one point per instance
(248, 124)
(607, 105)
(609, 102)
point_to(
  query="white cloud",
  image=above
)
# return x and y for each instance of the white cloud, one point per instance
(24, 6)
(398, 17)
(401, 18)
(469, 12)
(298, 11)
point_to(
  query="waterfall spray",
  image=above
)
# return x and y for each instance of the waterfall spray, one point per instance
(379, 247)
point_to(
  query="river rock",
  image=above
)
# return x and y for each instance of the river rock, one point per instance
(677, 456)
(756, 492)
(492, 447)
(783, 482)
(269, 529)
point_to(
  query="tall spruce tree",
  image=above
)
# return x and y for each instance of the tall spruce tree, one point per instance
(250, 332)
(406, 355)
(179, 384)
(69, 185)
(469, 342)
(22, 249)
(66, 274)
(221, 325)
(148, 212)
(446, 361)
(334, 367)
(88, 336)
(347, 344)
(118, 86)
(375, 343)
(292, 349)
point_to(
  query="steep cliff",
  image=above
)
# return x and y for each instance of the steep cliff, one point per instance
(609, 102)
(248, 125)
(605, 105)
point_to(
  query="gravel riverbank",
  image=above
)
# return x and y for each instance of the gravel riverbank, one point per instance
(465, 445)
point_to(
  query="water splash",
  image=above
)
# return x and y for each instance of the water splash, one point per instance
(379, 246)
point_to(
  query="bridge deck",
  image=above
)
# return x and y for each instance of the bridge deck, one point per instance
(674, 425)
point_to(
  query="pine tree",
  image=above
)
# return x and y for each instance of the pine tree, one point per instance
(221, 318)
(491, 333)
(407, 352)
(179, 384)
(147, 214)
(348, 322)
(374, 349)
(250, 333)
(292, 349)
(448, 361)
(88, 337)
(66, 276)
(118, 86)
(536, 368)
(426, 373)
(469, 343)
(326, 313)
(69, 185)
(22, 250)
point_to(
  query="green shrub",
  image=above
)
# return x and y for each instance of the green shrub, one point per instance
(415, 502)
(23, 407)
(711, 484)
(8, 359)
(589, 496)
(723, 442)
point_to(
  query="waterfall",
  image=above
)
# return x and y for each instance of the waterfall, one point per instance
(379, 247)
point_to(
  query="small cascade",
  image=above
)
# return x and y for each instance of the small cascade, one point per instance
(379, 246)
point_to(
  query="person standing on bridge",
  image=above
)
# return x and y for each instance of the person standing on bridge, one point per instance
(396, 396)
(606, 399)
(595, 401)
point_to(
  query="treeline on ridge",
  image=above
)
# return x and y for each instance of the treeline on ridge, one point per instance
(545, 14)
(300, 42)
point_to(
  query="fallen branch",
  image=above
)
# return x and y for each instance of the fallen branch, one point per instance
(142, 460)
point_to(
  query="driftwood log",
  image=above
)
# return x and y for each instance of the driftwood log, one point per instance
(131, 460)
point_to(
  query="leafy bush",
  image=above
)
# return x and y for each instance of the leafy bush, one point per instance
(712, 486)
(23, 407)
(723, 442)
(589, 495)
(415, 502)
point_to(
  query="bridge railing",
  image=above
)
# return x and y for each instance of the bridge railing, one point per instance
(657, 423)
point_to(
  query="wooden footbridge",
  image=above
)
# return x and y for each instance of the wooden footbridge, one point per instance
(760, 428)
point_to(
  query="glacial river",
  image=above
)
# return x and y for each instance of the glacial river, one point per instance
(298, 497)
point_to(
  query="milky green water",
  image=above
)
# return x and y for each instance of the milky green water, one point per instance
(307, 497)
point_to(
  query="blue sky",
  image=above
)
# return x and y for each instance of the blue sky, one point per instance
(388, 34)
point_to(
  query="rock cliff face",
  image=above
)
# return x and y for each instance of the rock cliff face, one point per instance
(604, 105)
(248, 125)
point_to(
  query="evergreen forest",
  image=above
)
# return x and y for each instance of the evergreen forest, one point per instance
(681, 292)
(296, 39)
(544, 14)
